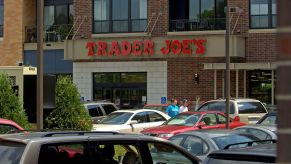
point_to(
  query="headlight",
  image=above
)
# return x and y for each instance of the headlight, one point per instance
(165, 135)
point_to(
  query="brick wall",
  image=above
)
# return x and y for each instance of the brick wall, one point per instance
(29, 16)
(83, 11)
(11, 47)
(158, 10)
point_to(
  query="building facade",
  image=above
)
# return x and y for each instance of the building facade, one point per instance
(143, 51)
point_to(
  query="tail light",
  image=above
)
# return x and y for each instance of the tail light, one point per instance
(236, 118)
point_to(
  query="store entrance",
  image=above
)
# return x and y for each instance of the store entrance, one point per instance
(126, 90)
(125, 98)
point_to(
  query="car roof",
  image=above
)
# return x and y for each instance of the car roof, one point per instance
(212, 133)
(268, 150)
(202, 112)
(272, 128)
(26, 137)
(136, 110)
(156, 104)
(237, 99)
(96, 102)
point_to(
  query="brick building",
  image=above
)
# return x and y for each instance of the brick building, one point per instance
(120, 49)
(194, 28)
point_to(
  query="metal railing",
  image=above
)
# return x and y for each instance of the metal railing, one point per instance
(197, 24)
(52, 33)
(117, 26)
(1, 30)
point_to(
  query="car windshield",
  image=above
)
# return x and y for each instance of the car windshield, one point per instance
(269, 120)
(11, 152)
(184, 120)
(116, 118)
(223, 141)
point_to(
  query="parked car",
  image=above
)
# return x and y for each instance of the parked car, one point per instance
(89, 148)
(188, 121)
(7, 126)
(247, 110)
(201, 143)
(263, 132)
(264, 153)
(100, 109)
(131, 121)
(159, 107)
(268, 119)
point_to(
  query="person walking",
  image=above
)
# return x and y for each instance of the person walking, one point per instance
(172, 110)
(184, 108)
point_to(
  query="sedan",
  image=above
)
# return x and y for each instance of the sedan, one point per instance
(201, 143)
(7, 126)
(131, 121)
(188, 121)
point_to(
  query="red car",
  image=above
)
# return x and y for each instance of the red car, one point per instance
(191, 121)
(8, 126)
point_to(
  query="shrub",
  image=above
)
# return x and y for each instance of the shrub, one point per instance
(69, 112)
(10, 106)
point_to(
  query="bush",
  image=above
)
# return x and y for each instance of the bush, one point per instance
(10, 106)
(70, 112)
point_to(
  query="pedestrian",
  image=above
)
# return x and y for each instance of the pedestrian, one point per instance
(184, 108)
(172, 110)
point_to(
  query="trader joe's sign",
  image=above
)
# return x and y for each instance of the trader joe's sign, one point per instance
(145, 48)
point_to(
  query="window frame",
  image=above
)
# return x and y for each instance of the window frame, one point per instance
(2, 25)
(54, 4)
(269, 15)
(111, 20)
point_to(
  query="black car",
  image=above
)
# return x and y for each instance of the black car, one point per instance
(263, 153)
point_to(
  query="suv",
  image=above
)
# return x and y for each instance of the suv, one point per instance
(258, 154)
(246, 110)
(99, 110)
(89, 148)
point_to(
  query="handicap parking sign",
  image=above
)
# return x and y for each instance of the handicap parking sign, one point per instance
(163, 100)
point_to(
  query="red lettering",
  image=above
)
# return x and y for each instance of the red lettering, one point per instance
(148, 47)
(200, 46)
(186, 49)
(166, 50)
(125, 48)
(114, 48)
(176, 47)
(90, 46)
(102, 48)
(137, 48)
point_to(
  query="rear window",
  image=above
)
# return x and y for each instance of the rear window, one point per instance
(250, 107)
(108, 108)
(216, 106)
(11, 152)
(94, 110)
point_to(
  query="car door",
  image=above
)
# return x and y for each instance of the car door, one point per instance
(221, 121)
(210, 121)
(142, 122)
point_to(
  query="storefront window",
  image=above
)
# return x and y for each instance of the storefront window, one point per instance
(263, 13)
(261, 85)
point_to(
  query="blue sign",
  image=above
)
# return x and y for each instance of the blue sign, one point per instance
(163, 100)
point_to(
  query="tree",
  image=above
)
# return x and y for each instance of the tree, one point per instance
(10, 106)
(69, 113)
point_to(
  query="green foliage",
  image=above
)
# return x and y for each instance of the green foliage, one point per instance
(70, 112)
(10, 105)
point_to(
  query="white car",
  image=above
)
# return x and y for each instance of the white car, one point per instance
(131, 121)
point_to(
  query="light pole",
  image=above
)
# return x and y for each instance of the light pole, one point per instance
(39, 94)
(227, 63)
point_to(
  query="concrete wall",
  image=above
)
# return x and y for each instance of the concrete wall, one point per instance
(156, 76)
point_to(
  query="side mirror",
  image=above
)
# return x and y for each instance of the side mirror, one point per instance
(201, 124)
(133, 122)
